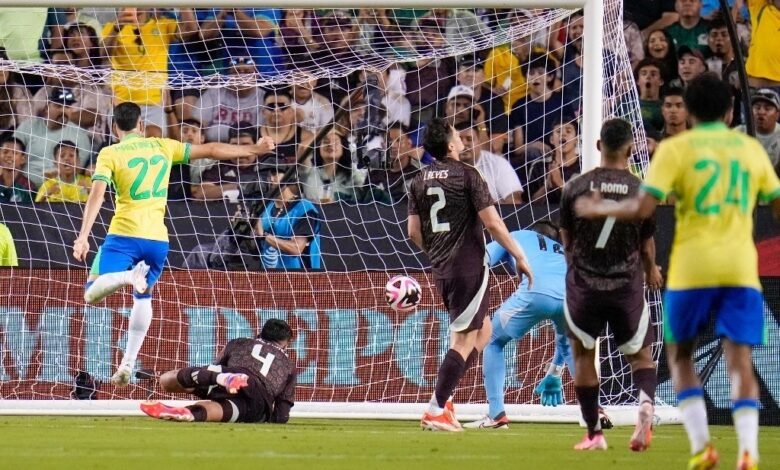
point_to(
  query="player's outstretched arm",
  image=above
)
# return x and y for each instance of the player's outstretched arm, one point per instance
(595, 207)
(493, 223)
(94, 203)
(219, 151)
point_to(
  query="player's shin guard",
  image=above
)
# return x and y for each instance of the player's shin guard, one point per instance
(140, 319)
(191, 377)
(745, 415)
(588, 397)
(645, 381)
(450, 372)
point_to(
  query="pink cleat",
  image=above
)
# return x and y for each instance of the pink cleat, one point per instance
(234, 382)
(158, 410)
(643, 432)
(597, 442)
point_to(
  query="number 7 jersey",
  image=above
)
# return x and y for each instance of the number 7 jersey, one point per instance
(605, 254)
(139, 169)
(716, 175)
(447, 196)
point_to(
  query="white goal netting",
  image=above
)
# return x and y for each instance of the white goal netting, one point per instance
(346, 95)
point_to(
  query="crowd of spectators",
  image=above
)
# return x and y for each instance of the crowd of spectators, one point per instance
(353, 137)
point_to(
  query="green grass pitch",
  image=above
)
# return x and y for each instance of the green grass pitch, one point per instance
(143, 443)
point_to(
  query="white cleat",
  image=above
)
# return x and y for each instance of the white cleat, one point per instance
(121, 377)
(489, 423)
(138, 277)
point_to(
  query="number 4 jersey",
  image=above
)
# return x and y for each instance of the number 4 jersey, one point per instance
(266, 362)
(605, 254)
(139, 169)
(716, 175)
(447, 196)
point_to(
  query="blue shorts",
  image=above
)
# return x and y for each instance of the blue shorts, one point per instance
(120, 253)
(738, 314)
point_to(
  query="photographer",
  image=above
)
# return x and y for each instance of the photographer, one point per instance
(287, 230)
(282, 232)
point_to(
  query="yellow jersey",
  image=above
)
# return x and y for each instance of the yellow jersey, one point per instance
(139, 169)
(764, 56)
(56, 190)
(716, 175)
(7, 248)
(502, 68)
(141, 63)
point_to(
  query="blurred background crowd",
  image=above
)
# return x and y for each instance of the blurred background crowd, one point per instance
(353, 137)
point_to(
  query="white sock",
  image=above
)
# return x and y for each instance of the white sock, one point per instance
(140, 319)
(746, 424)
(105, 285)
(694, 415)
(433, 407)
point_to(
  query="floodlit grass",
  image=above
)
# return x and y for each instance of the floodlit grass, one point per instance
(143, 443)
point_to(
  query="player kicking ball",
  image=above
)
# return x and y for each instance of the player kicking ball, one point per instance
(608, 264)
(252, 381)
(520, 312)
(716, 174)
(136, 246)
(449, 202)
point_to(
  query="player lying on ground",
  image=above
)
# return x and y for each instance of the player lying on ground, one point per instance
(608, 263)
(252, 381)
(521, 311)
(716, 175)
(449, 202)
(136, 246)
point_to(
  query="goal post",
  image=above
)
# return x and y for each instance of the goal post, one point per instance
(356, 357)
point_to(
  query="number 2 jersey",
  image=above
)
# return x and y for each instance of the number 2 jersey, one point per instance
(605, 255)
(447, 196)
(139, 168)
(266, 362)
(716, 175)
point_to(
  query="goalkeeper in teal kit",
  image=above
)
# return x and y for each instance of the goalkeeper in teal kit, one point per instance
(521, 311)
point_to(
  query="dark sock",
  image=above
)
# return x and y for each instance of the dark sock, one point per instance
(588, 397)
(645, 381)
(471, 360)
(191, 377)
(450, 371)
(198, 412)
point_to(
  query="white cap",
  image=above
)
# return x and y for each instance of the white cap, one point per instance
(460, 90)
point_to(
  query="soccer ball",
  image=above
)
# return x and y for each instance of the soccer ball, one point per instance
(403, 293)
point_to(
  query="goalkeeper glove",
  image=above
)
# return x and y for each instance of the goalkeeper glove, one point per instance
(550, 390)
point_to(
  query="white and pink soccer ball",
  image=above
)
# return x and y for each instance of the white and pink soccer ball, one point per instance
(403, 293)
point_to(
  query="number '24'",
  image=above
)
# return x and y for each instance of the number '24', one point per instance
(737, 194)
(144, 163)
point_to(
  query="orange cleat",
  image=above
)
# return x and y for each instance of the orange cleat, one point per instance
(158, 410)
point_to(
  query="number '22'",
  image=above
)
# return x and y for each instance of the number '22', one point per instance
(144, 163)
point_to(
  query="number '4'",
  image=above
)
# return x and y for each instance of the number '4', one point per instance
(266, 360)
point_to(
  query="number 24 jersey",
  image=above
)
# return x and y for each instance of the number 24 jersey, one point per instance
(716, 175)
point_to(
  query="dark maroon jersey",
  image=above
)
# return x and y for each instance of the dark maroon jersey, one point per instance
(264, 361)
(448, 196)
(604, 254)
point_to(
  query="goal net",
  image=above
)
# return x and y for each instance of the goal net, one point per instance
(346, 95)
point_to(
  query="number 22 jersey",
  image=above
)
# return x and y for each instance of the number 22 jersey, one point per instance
(139, 169)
